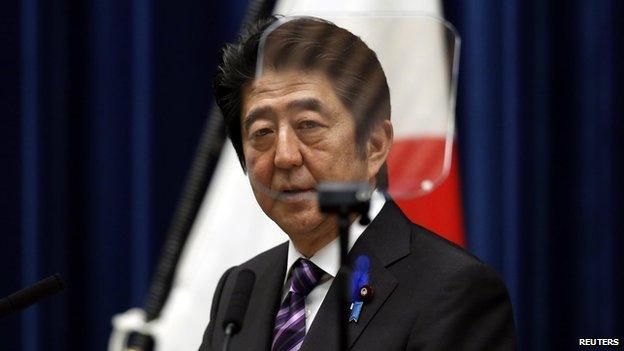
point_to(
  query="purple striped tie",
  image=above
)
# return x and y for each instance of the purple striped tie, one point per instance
(290, 323)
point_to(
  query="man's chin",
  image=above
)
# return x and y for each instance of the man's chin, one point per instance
(297, 224)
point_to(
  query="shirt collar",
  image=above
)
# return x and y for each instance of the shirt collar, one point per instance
(328, 258)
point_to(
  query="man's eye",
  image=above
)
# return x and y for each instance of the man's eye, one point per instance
(261, 132)
(308, 125)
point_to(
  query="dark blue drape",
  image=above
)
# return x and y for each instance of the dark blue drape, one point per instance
(102, 103)
(540, 128)
(102, 106)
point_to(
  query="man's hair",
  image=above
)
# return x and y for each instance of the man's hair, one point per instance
(311, 45)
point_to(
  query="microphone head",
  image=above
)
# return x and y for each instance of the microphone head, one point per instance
(235, 312)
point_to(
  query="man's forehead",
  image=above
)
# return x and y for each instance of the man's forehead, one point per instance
(278, 82)
(281, 88)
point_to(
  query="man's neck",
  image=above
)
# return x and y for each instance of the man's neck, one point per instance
(327, 256)
(309, 243)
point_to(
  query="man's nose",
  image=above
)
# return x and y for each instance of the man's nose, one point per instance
(287, 153)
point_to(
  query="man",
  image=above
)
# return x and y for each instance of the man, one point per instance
(320, 111)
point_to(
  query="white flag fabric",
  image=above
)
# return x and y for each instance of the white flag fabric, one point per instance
(230, 227)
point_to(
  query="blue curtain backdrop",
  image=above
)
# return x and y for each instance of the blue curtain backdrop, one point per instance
(541, 141)
(102, 105)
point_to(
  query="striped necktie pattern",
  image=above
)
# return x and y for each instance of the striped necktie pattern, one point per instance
(290, 323)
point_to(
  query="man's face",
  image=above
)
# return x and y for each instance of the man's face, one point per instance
(297, 133)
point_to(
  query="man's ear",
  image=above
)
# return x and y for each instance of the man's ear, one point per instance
(378, 147)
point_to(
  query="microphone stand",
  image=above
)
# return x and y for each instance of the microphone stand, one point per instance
(343, 200)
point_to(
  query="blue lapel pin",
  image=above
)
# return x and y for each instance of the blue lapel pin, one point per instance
(356, 309)
(361, 291)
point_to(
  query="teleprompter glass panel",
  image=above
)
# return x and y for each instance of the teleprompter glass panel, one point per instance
(351, 98)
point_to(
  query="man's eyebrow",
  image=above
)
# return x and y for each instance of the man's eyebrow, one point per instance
(254, 114)
(309, 104)
(303, 104)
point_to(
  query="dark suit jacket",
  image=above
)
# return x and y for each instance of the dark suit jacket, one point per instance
(429, 295)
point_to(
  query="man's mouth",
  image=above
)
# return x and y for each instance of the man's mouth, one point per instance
(292, 194)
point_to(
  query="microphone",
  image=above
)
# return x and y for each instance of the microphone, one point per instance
(31, 295)
(233, 320)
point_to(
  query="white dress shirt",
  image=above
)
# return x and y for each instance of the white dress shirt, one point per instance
(328, 259)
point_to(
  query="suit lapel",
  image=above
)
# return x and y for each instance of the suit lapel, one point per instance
(257, 332)
(384, 241)
(323, 334)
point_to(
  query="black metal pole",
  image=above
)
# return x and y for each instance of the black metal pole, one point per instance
(344, 199)
(343, 231)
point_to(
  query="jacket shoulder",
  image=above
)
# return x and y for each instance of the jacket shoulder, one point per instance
(266, 258)
(461, 288)
(444, 259)
(426, 242)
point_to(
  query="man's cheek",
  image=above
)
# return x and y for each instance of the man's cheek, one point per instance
(266, 202)
(260, 175)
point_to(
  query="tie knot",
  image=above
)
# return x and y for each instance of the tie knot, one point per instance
(305, 275)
